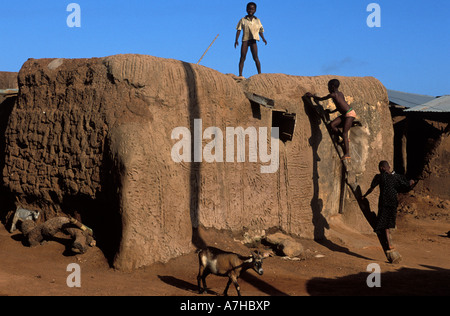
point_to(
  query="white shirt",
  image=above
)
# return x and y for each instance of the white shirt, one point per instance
(251, 28)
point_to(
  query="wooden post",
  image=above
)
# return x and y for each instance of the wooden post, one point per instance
(207, 49)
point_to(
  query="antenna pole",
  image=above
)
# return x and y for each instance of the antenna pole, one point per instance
(207, 50)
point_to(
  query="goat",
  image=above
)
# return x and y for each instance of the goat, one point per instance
(22, 214)
(226, 264)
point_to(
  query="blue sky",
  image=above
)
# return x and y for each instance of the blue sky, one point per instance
(410, 51)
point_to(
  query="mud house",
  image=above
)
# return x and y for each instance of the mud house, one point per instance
(429, 131)
(398, 103)
(421, 133)
(92, 138)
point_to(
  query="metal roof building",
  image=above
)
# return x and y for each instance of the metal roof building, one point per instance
(441, 105)
(407, 100)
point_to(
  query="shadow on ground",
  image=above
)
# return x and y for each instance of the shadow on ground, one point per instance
(406, 281)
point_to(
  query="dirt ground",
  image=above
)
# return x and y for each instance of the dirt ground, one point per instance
(337, 266)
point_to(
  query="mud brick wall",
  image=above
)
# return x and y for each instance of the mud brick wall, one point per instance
(93, 137)
(8, 80)
(55, 135)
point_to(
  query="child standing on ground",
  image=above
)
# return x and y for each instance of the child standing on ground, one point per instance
(348, 115)
(390, 184)
(252, 29)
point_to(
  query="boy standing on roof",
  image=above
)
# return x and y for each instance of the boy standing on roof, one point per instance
(347, 117)
(252, 29)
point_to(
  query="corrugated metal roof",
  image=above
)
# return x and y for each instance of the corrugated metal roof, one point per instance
(441, 104)
(9, 91)
(408, 100)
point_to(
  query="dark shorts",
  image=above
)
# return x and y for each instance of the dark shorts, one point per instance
(386, 218)
(251, 42)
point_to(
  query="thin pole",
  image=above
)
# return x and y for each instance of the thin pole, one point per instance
(207, 49)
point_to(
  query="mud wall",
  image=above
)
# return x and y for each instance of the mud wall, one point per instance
(311, 161)
(94, 137)
(435, 174)
(8, 80)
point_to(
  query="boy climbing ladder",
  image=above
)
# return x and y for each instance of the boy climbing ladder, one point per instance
(346, 118)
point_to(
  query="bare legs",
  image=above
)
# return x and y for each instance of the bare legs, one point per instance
(389, 239)
(347, 122)
(244, 49)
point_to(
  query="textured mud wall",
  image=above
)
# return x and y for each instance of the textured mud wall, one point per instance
(94, 137)
(8, 80)
(56, 131)
(435, 178)
(311, 171)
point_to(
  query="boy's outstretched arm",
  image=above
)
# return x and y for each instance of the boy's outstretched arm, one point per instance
(316, 98)
(310, 95)
(236, 42)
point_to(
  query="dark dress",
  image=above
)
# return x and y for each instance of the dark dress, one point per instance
(390, 184)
